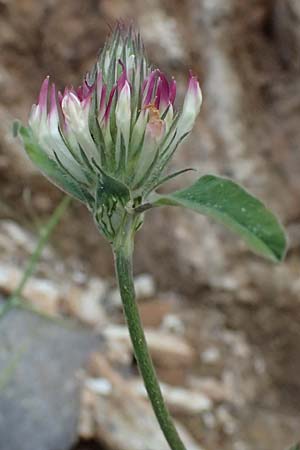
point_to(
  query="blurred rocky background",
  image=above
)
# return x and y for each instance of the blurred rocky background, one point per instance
(222, 324)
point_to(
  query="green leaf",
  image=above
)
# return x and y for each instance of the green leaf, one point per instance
(230, 204)
(50, 168)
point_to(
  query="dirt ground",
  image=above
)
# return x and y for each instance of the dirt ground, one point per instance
(240, 314)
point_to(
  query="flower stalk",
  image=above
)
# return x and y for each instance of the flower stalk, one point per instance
(123, 255)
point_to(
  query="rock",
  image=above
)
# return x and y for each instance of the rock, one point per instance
(211, 355)
(166, 349)
(113, 413)
(43, 294)
(144, 288)
(50, 297)
(215, 390)
(40, 364)
(286, 23)
(179, 400)
(14, 238)
(86, 304)
(153, 312)
(9, 278)
(173, 324)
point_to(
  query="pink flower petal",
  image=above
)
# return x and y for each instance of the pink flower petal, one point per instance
(53, 103)
(150, 88)
(102, 102)
(123, 78)
(172, 91)
(43, 96)
(164, 93)
(108, 107)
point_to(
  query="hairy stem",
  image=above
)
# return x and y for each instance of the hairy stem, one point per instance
(123, 264)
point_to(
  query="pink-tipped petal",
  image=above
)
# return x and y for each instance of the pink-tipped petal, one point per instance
(43, 96)
(191, 106)
(109, 103)
(172, 90)
(66, 92)
(53, 116)
(99, 86)
(86, 90)
(53, 103)
(86, 103)
(150, 88)
(79, 93)
(164, 92)
(144, 84)
(157, 98)
(123, 77)
(102, 103)
(193, 83)
(59, 97)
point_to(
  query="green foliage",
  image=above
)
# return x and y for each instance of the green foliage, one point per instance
(233, 206)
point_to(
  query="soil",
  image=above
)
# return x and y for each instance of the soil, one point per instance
(247, 58)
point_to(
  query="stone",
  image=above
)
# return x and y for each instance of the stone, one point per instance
(217, 391)
(286, 23)
(144, 288)
(40, 365)
(167, 350)
(179, 400)
(173, 323)
(41, 293)
(154, 311)
(86, 303)
(15, 238)
(144, 285)
(113, 412)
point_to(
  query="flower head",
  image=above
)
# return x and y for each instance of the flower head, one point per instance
(118, 129)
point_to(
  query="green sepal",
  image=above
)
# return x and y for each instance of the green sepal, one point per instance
(230, 204)
(109, 190)
(49, 167)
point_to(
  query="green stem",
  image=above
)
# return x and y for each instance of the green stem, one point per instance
(46, 231)
(123, 264)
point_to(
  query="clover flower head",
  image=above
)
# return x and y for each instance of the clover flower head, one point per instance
(116, 132)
